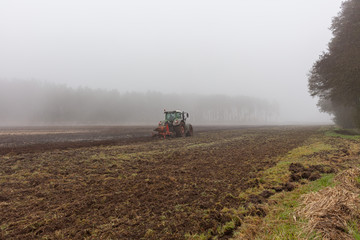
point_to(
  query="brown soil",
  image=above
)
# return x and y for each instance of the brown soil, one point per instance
(19, 140)
(136, 188)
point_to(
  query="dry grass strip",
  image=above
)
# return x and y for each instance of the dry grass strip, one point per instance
(329, 210)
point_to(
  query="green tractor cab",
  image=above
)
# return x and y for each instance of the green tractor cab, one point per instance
(174, 125)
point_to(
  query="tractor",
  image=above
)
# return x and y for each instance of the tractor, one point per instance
(174, 125)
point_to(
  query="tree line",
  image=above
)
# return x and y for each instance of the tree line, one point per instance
(29, 102)
(335, 77)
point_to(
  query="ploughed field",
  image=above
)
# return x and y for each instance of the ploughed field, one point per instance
(119, 183)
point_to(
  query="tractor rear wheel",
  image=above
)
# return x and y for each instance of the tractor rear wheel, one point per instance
(180, 130)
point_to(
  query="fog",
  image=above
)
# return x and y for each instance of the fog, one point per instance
(34, 103)
(184, 52)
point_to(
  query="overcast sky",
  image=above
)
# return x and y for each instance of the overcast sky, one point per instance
(261, 48)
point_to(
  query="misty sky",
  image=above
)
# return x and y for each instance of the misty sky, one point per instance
(261, 48)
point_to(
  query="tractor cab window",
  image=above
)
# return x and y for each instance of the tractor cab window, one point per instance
(170, 116)
(178, 115)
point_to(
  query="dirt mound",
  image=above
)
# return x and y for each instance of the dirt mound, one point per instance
(312, 172)
(299, 172)
(330, 209)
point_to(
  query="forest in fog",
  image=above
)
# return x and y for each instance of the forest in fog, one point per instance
(38, 103)
(335, 77)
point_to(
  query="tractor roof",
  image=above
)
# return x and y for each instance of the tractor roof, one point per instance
(173, 111)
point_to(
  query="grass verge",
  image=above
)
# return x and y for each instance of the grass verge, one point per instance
(352, 134)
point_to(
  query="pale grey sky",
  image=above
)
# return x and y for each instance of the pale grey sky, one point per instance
(261, 48)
